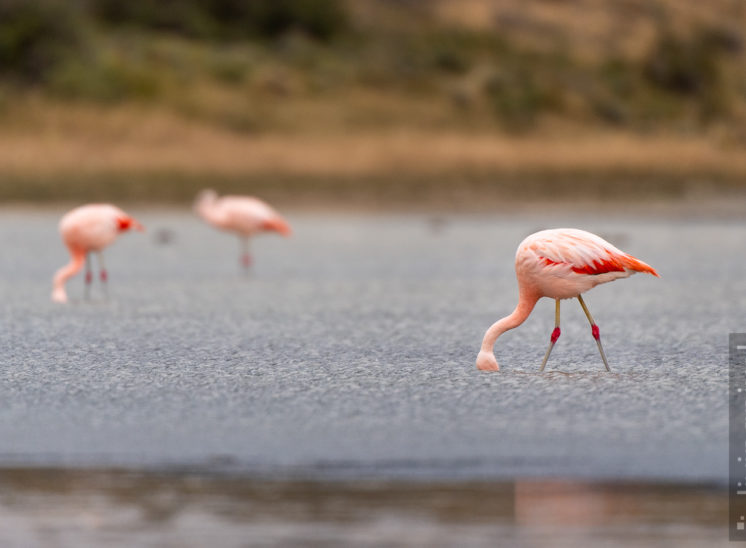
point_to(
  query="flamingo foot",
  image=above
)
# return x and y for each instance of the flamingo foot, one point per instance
(486, 362)
(552, 340)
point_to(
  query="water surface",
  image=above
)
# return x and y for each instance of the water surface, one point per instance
(348, 356)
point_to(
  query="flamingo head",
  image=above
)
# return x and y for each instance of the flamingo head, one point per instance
(486, 361)
(59, 295)
(206, 197)
(127, 223)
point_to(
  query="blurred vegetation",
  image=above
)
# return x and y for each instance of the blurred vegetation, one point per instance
(219, 61)
(226, 19)
(36, 38)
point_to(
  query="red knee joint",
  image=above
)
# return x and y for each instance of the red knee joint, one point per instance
(595, 332)
(104, 275)
(246, 260)
(555, 335)
(88, 277)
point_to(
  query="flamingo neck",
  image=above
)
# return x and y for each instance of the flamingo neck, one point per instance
(68, 271)
(526, 302)
(208, 210)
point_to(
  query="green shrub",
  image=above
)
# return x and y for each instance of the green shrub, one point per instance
(228, 19)
(231, 70)
(519, 96)
(450, 59)
(683, 66)
(108, 77)
(187, 17)
(690, 67)
(36, 36)
(320, 19)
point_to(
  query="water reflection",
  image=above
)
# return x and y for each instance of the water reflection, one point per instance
(123, 508)
(553, 503)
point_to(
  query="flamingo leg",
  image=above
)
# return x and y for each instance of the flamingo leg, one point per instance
(245, 256)
(103, 274)
(555, 334)
(594, 331)
(88, 276)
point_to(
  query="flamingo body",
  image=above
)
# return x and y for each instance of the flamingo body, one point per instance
(245, 216)
(566, 262)
(561, 263)
(85, 229)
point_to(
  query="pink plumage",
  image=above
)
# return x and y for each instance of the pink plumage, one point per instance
(86, 229)
(245, 216)
(560, 263)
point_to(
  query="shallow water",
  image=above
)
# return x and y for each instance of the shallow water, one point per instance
(348, 353)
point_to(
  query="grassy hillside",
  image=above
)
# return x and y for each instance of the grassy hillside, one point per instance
(320, 90)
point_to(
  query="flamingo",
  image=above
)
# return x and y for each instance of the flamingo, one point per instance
(85, 229)
(243, 215)
(560, 263)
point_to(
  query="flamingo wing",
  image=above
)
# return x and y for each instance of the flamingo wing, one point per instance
(584, 253)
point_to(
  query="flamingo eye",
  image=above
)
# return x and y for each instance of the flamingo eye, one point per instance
(124, 223)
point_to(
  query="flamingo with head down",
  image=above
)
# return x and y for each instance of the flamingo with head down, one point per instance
(86, 229)
(243, 215)
(561, 263)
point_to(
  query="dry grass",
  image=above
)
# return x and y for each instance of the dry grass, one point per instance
(590, 28)
(70, 140)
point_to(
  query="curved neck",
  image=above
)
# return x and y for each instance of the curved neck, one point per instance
(70, 269)
(526, 303)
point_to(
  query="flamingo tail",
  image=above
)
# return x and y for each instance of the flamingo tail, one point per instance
(278, 224)
(637, 265)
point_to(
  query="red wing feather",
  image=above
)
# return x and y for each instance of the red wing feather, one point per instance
(600, 266)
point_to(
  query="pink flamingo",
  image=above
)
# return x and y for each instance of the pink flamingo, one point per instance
(243, 215)
(86, 229)
(561, 264)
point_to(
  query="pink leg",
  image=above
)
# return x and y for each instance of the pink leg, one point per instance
(555, 334)
(595, 332)
(103, 274)
(88, 277)
(245, 256)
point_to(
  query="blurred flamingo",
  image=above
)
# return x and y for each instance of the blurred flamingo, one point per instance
(86, 229)
(561, 264)
(243, 215)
